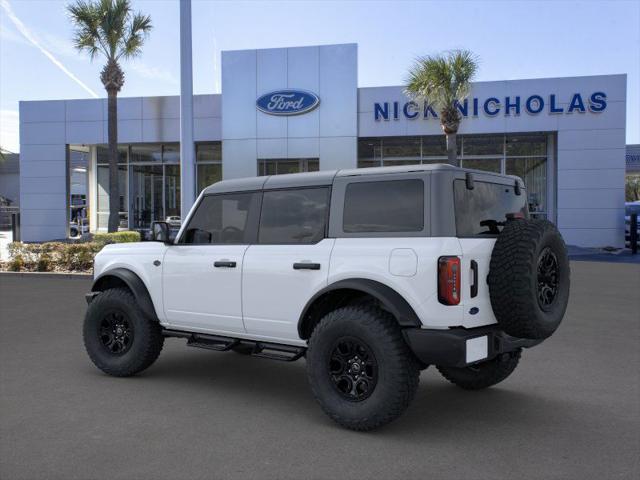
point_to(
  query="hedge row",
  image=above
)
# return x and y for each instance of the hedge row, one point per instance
(61, 256)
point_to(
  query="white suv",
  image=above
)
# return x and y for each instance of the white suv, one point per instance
(370, 274)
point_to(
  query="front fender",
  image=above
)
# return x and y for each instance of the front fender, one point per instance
(117, 276)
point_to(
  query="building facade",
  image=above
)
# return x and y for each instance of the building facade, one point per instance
(300, 109)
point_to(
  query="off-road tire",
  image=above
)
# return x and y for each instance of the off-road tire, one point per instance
(514, 278)
(147, 339)
(483, 375)
(398, 372)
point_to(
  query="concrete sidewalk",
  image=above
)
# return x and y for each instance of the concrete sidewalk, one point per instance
(570, 410)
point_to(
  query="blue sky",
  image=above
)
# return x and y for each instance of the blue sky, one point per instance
(513, 40)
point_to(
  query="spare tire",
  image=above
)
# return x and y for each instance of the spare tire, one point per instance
(529, 278)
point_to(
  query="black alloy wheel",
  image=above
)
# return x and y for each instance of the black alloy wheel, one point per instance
(353, 369)
(547, 278)
(116, 332)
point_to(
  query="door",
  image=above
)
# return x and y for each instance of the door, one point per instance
(289, 263)
(202, 273)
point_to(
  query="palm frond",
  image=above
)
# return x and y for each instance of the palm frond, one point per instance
(442, 80)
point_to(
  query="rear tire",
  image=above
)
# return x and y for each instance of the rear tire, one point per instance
(529, 278)
(360, 369)
(119, 338)
(485, 374)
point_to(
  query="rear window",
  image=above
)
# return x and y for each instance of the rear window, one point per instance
(384, 206)
(483, 210)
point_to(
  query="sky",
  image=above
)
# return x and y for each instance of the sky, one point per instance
(513, 40)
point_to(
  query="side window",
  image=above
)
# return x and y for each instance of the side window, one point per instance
(294, 216)
(223, 219)
(384, 206)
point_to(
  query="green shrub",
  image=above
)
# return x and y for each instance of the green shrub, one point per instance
(16, 263)
(44, 263)
(116, 237)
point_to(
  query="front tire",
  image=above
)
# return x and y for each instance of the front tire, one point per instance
(360, 369)
(483, 375)
(119, 338)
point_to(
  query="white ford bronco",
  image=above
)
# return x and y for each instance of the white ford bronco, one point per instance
(370, 274)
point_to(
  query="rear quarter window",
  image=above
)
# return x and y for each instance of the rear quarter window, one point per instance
(384, 206)
(483, 210)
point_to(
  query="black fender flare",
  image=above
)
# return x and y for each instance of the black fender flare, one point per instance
(387, 296)
(135, 284)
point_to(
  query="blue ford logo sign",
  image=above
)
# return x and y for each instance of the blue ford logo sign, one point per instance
(287, 102)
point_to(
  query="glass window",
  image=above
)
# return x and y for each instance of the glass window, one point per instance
(279, 166)
(208, 174)
(223, 219)
(384, 206)
(102, 154)
(369, 152)
(401, 148)
(533, 171)
(526, 145)
(172, 192)
(171, 153)
(435, 146)
(483, 210)
(146, 152)
(483, 145)
(486, 164)
(146, 195)
(103, 195)
(294, 216)
(209, 152)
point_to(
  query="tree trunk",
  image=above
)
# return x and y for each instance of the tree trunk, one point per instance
(452, 151)
(114, 190)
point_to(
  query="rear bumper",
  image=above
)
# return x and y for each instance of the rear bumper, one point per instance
(459, 347)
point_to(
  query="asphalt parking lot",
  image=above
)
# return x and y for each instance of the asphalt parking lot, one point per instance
(571, 410)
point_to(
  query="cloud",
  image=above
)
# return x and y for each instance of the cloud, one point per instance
(31, 38)
(152, 73)
(9, 124)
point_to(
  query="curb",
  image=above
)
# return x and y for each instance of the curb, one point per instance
(59, 275)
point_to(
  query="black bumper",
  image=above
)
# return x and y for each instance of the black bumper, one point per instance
(448, 348)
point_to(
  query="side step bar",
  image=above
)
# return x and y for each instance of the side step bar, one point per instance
(274, 351)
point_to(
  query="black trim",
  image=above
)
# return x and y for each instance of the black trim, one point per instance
(474, 270)
(389, 298)
(447, 348)
(224, 263)
(135, 284)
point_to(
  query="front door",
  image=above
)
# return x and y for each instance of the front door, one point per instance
(289, 263)
(202, 273)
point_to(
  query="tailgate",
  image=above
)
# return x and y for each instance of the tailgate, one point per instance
(476, 256)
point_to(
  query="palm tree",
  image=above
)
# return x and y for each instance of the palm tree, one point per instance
(110, 28)
(443, 81)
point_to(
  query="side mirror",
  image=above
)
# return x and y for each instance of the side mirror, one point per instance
(160, 232)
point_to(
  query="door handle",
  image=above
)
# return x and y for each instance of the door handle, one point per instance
(224, 263)
(306, 266)
(474, 271)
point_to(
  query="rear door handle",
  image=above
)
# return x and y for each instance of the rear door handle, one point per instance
(224, 263)
(306, 266)
(474, 271)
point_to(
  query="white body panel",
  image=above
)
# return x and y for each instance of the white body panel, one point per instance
(274, 294)
(200, 296)
(139, 258)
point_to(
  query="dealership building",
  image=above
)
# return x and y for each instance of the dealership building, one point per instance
(300, 109)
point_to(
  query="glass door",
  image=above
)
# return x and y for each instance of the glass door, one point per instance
(146, 195)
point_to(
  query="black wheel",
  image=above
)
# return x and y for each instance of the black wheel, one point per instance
(529, 278)
(119, 338)
(360, 370)
(482, 375)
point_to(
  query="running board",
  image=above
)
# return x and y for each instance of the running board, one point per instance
(274, 351)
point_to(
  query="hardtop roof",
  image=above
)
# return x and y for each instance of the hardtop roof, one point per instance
(326, 177)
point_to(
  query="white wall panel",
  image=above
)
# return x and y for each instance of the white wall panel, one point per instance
(239, 99)
(44, 111)
(160, 107)
(610, 198)
(207, 129)
(339, 90)
(594, 218)
(303, 147)
(338, 153)
(594, 179)
(303, 73)
(271, 148)
(30, 153)
(42, 133)
(239, 158)
(88, 133)
(89, 110)
(207, 106)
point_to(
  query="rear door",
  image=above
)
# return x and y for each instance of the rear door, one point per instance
(289, 263)
(202, 273)
(480, 214)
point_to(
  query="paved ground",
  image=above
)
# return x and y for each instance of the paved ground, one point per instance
(571, 411)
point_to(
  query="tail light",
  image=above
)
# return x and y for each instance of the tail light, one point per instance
(449, 280)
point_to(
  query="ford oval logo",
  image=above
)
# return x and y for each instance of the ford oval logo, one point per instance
(287, 102)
